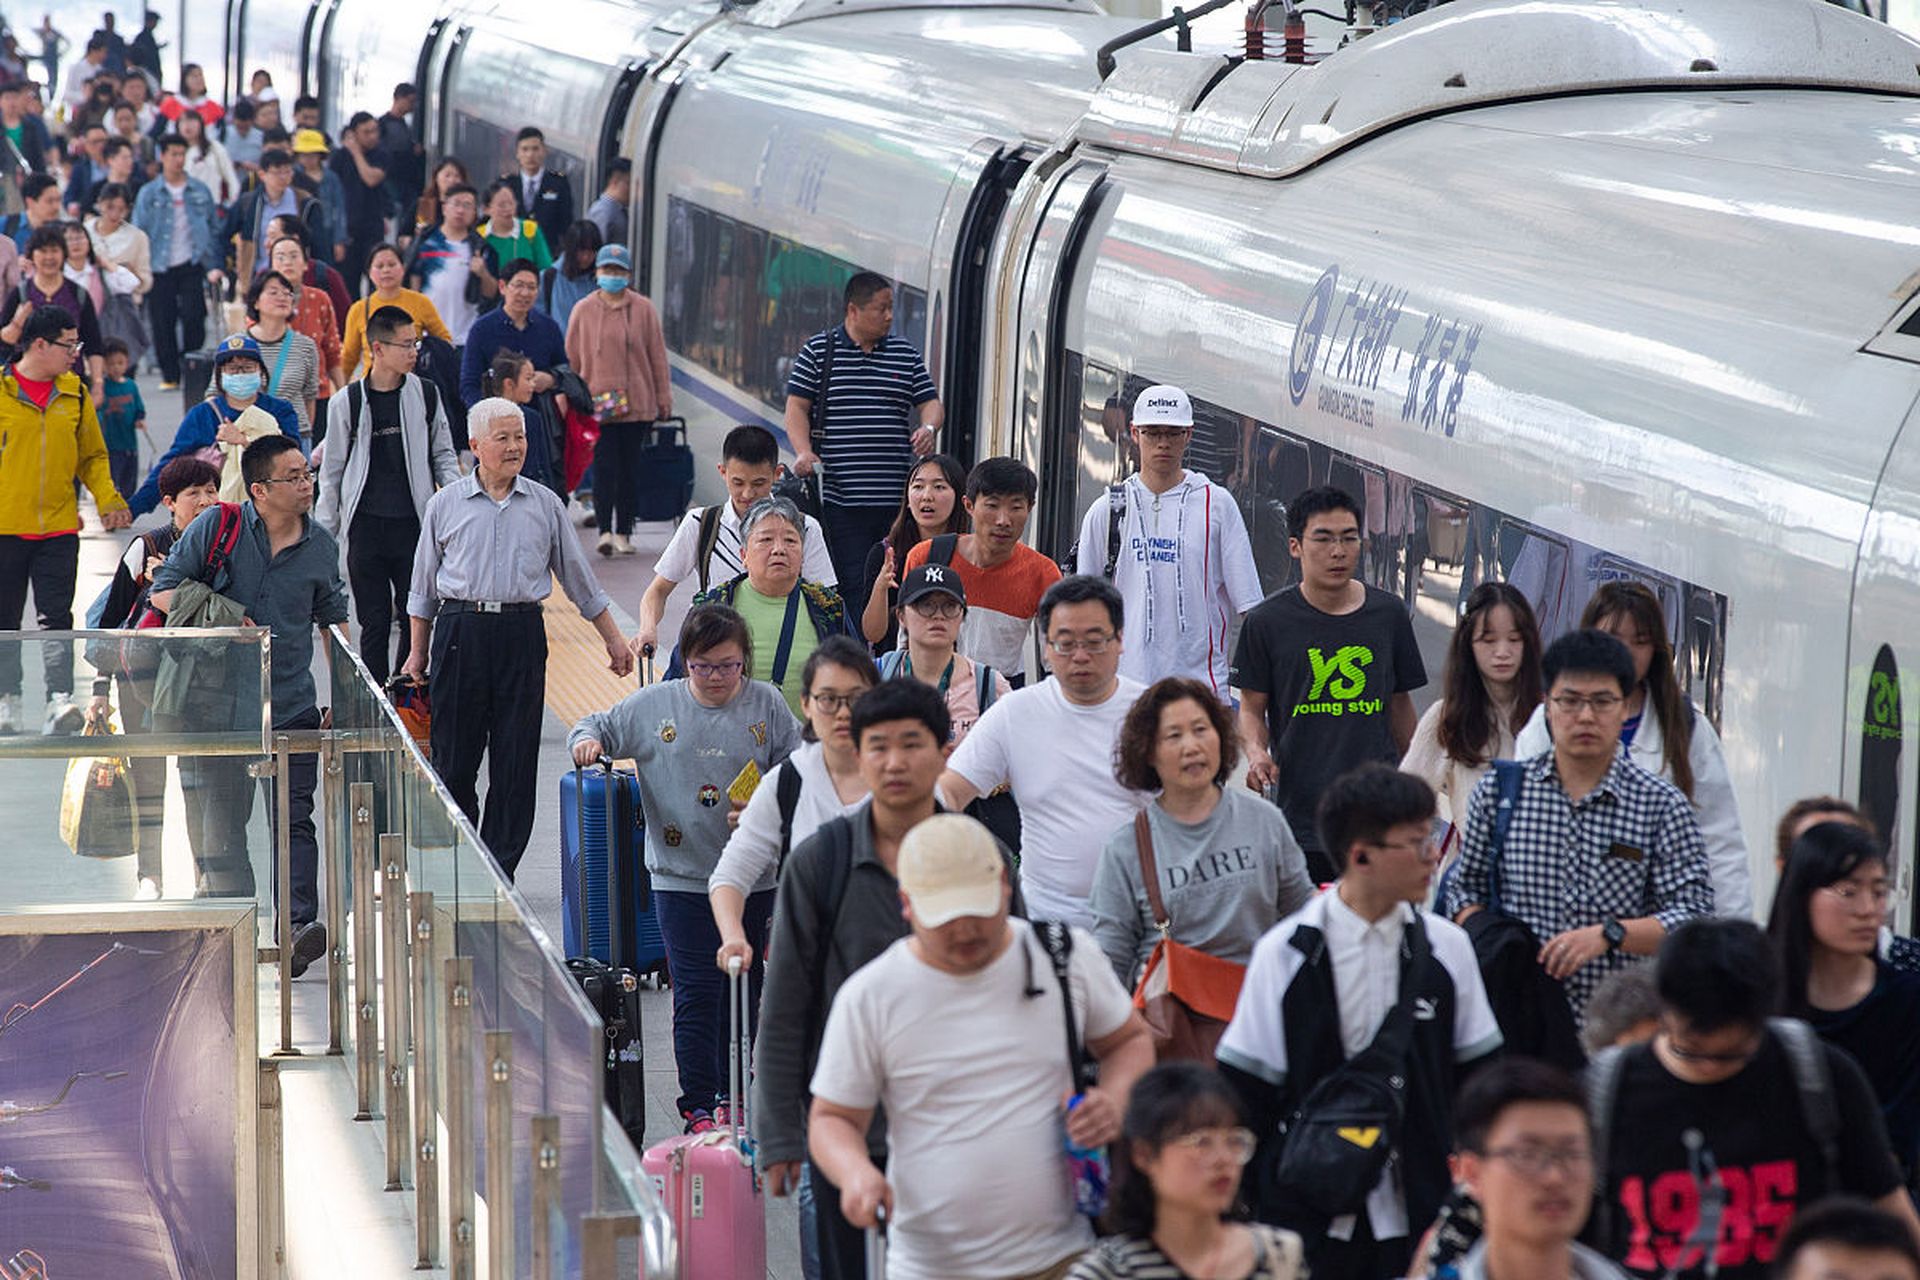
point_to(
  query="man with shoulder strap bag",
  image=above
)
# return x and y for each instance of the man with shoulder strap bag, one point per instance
(1354, 1128)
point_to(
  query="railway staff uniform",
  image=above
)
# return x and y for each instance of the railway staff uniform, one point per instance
(490, 547)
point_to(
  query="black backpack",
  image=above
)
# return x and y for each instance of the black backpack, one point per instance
(1116, 518)
(357, 399)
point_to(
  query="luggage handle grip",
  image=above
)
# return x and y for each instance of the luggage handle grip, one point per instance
(738, 1082)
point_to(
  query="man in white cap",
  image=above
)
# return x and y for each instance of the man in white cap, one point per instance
(1174, 544)
(959, 1031)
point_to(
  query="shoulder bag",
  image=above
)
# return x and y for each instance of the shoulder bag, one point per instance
(1185, 994)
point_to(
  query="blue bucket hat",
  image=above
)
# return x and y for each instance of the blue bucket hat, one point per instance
(614, 255)
(236, 346)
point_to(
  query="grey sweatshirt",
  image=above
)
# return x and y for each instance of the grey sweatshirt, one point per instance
(688, 755)
(1587, 1265)
(1225, 881)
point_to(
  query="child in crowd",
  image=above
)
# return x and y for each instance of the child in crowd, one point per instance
(123, 415)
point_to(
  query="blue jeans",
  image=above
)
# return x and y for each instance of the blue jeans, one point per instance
(700, 1021)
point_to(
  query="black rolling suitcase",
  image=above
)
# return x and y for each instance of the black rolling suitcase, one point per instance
(613, 989)
(666, 472)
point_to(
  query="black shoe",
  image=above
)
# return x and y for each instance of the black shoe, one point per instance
(309, 944)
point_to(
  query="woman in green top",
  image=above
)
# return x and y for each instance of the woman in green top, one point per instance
(511, 235)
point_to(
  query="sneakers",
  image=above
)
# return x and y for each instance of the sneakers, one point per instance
(169, 386)
(583, 510)
(62, 715)
(9, 713)
(698, 1121)
(722, 1115)
(309, 944)
(605, 546)
(149, 890)
(623, 545)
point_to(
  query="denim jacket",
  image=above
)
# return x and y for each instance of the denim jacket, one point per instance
(153, 214)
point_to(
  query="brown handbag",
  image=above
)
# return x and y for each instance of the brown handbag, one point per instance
(1185, 995)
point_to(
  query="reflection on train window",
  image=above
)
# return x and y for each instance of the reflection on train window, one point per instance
(740, 301)
(1429, 547)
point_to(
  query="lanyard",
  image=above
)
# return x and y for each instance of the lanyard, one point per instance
(946, 677)
(785, 648)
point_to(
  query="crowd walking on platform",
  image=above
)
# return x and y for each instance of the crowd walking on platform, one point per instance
(1102, 916)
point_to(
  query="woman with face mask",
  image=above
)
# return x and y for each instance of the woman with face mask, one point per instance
(213, 429)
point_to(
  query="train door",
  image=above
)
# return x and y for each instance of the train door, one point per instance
(444, 73)
(963, 242)
(613, 129)
(1883, 657)
(1044, 412)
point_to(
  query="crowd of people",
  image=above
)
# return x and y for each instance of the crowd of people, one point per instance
(1046, 860)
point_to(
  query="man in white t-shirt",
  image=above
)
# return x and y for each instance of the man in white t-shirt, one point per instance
(749, 462)
(960, 1033)
(1182, 560)
(1052, 743)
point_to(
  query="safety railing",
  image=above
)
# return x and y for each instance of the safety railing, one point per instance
(471, 1046)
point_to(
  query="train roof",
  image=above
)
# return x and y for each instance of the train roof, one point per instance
(1271, 119)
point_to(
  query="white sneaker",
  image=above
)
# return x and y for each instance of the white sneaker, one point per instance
(9, 713)
(148, 890)
(623, 545)
(605, 546)
(62, 715)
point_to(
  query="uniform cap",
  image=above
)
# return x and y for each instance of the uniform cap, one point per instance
(1163, 406)
(309, 142)
(950, 867)
(930, 580)
(614, 255)
(236, 346)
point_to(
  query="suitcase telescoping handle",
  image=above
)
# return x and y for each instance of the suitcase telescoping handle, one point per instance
(877, 1244)
(616, 953)
(738, 994)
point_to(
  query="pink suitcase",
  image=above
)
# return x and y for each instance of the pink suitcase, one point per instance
(708, 1182)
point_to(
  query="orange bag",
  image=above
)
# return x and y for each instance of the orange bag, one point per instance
(1185, 994)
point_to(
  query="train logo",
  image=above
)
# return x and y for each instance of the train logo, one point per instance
(1306, 334)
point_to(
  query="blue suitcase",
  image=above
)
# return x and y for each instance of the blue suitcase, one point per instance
(592, 803)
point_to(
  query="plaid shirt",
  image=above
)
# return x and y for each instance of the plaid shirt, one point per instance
(1628, 848)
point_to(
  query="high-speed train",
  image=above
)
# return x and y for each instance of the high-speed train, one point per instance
(1567, 290)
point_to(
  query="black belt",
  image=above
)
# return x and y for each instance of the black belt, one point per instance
(489, 606)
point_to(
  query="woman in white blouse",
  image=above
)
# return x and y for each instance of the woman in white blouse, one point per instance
(828, 767)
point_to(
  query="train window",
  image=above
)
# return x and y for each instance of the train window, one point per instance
(740, 300)
(1881, 729)
(1428, 546)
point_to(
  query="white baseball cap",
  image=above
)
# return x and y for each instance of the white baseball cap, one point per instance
(1163, 406)
(950, 867)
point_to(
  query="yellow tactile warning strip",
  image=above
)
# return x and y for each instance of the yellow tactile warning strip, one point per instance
(577, 677)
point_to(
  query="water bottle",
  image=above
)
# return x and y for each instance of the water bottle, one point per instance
(1087, 1166)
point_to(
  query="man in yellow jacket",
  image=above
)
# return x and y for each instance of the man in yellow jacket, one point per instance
(49, 438)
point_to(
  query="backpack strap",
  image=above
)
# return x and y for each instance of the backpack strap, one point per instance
(889, 663)
(226, 536)
(1603, 1090)
(1116, 519)
(1057, 939)
(818, 427)
(787, 794)
(1150, 873)
(943, 549)
(984, 690)
(1807, 1055)
(1508, 777)
(709, 539)
(432, 394)
(829, 892)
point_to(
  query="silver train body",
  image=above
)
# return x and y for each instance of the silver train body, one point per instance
(1566, 292)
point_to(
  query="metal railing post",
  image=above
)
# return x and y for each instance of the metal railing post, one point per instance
(426, 1162)
(365, 1029)
(394, 979)
(500, 1246)
(546, 1192)
(283, 884)
(269, 1156)
(333, 776)
(459, 1042)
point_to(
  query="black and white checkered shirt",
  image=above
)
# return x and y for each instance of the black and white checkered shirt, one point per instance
(1629, 848)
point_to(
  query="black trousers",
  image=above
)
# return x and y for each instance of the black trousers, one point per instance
(219, 800)
(488, 681)
(178, 297)
(843, 1246)
(851, 533)
(1362, 1257)
(379, 569)
(49, 566)
(616, 472)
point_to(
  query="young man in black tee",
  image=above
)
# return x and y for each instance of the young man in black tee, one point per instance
(1712, 1137)
(1325, 670)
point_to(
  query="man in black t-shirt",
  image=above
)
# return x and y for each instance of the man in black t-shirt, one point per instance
(1325, 670)
(1720, 1130)
(362, 167)
(377, 472)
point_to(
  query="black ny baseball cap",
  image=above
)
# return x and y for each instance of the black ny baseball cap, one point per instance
(932, 579)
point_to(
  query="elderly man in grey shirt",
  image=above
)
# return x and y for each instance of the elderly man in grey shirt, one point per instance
(490, 546)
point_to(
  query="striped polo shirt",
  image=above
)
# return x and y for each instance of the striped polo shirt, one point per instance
(866, 446)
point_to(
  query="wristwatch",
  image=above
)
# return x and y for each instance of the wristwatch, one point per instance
(1614, 932)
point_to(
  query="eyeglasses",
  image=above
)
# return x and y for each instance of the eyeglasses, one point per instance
(1573, 704)
(305, 477)
(945, 608)
(708, 670)
(76, 347)
(1235, 1144)
(1163, 435)
(415, 346)
(834, 703)
(1852, 895)
(1732, 1058)
(1093, 646)
(1333, 540)
(1537, 1161)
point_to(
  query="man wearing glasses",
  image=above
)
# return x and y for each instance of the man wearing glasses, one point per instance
(1052, 743)
(1326, 671)
(284, 571)
(1712, 1138)
(1600, 859)
(1178, 548)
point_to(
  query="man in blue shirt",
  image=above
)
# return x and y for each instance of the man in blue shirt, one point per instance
(285, 572)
